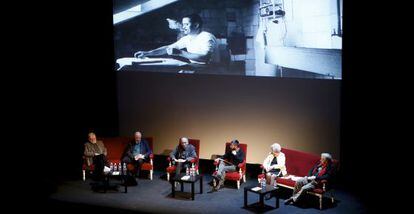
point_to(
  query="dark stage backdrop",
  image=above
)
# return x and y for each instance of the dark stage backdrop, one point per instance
(297, 113)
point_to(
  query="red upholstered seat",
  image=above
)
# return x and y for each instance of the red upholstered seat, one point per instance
(146, 166)
(287, 182)
(115, 147)
(86, 167)
(318, 190)
(171, 168)
(235, 176)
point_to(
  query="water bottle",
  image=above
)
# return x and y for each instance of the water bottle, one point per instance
(112, 166)
(124, 168)
(192, 172)
(187, 171)
(263, 183)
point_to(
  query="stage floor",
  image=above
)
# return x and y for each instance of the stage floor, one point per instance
(155, 197)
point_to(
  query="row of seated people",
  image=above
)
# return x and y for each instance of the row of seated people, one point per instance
(137, 153)
(231, 165)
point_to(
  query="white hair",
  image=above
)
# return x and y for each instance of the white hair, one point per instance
(326, 156)
(276, 147)
(184, 139)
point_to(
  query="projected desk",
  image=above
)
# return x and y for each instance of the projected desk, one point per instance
(150, 62)
(172, 65)
(154, 64)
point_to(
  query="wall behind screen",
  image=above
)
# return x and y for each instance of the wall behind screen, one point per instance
(297, 113)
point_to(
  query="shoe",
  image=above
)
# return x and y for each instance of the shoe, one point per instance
(289, 201)
(220, 183)
(212, 190)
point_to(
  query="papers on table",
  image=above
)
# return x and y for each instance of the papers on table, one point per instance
(149, 61)
(256, 188)
(115, 173)
(185, 177)
(107, 169)
(180, 160)
(225, 161)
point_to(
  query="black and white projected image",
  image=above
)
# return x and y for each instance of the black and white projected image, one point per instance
(269, 38)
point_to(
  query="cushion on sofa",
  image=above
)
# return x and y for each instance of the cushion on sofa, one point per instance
(287, 182)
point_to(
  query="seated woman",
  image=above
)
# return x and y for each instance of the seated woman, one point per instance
(274, 165)
(183, 154)
(320, 171)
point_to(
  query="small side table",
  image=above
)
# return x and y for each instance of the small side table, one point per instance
(192, 181)
(262, 192)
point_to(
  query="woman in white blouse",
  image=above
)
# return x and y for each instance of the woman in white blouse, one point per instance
(274, 164)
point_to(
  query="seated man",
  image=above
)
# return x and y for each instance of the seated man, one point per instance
(274, 165)
(197, 46)
(182, 155)
(228, 163)
(95, 153)
(136, 152)
(320, 171)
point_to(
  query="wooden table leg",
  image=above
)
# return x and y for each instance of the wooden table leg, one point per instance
(201, 184)
(192, 191)
(173, 189)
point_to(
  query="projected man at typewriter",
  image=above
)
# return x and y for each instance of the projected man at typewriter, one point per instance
(197, 46)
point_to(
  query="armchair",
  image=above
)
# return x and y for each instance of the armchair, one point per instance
(235, 176)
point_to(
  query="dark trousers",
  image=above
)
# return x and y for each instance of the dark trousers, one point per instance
(137, 164)
(99, 161)
(181, 167)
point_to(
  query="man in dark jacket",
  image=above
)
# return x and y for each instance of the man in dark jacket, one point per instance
(228, 163)
(137, 152)
(320, 171)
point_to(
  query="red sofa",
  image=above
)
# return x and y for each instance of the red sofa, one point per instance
(115, 147)
(298, 164)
